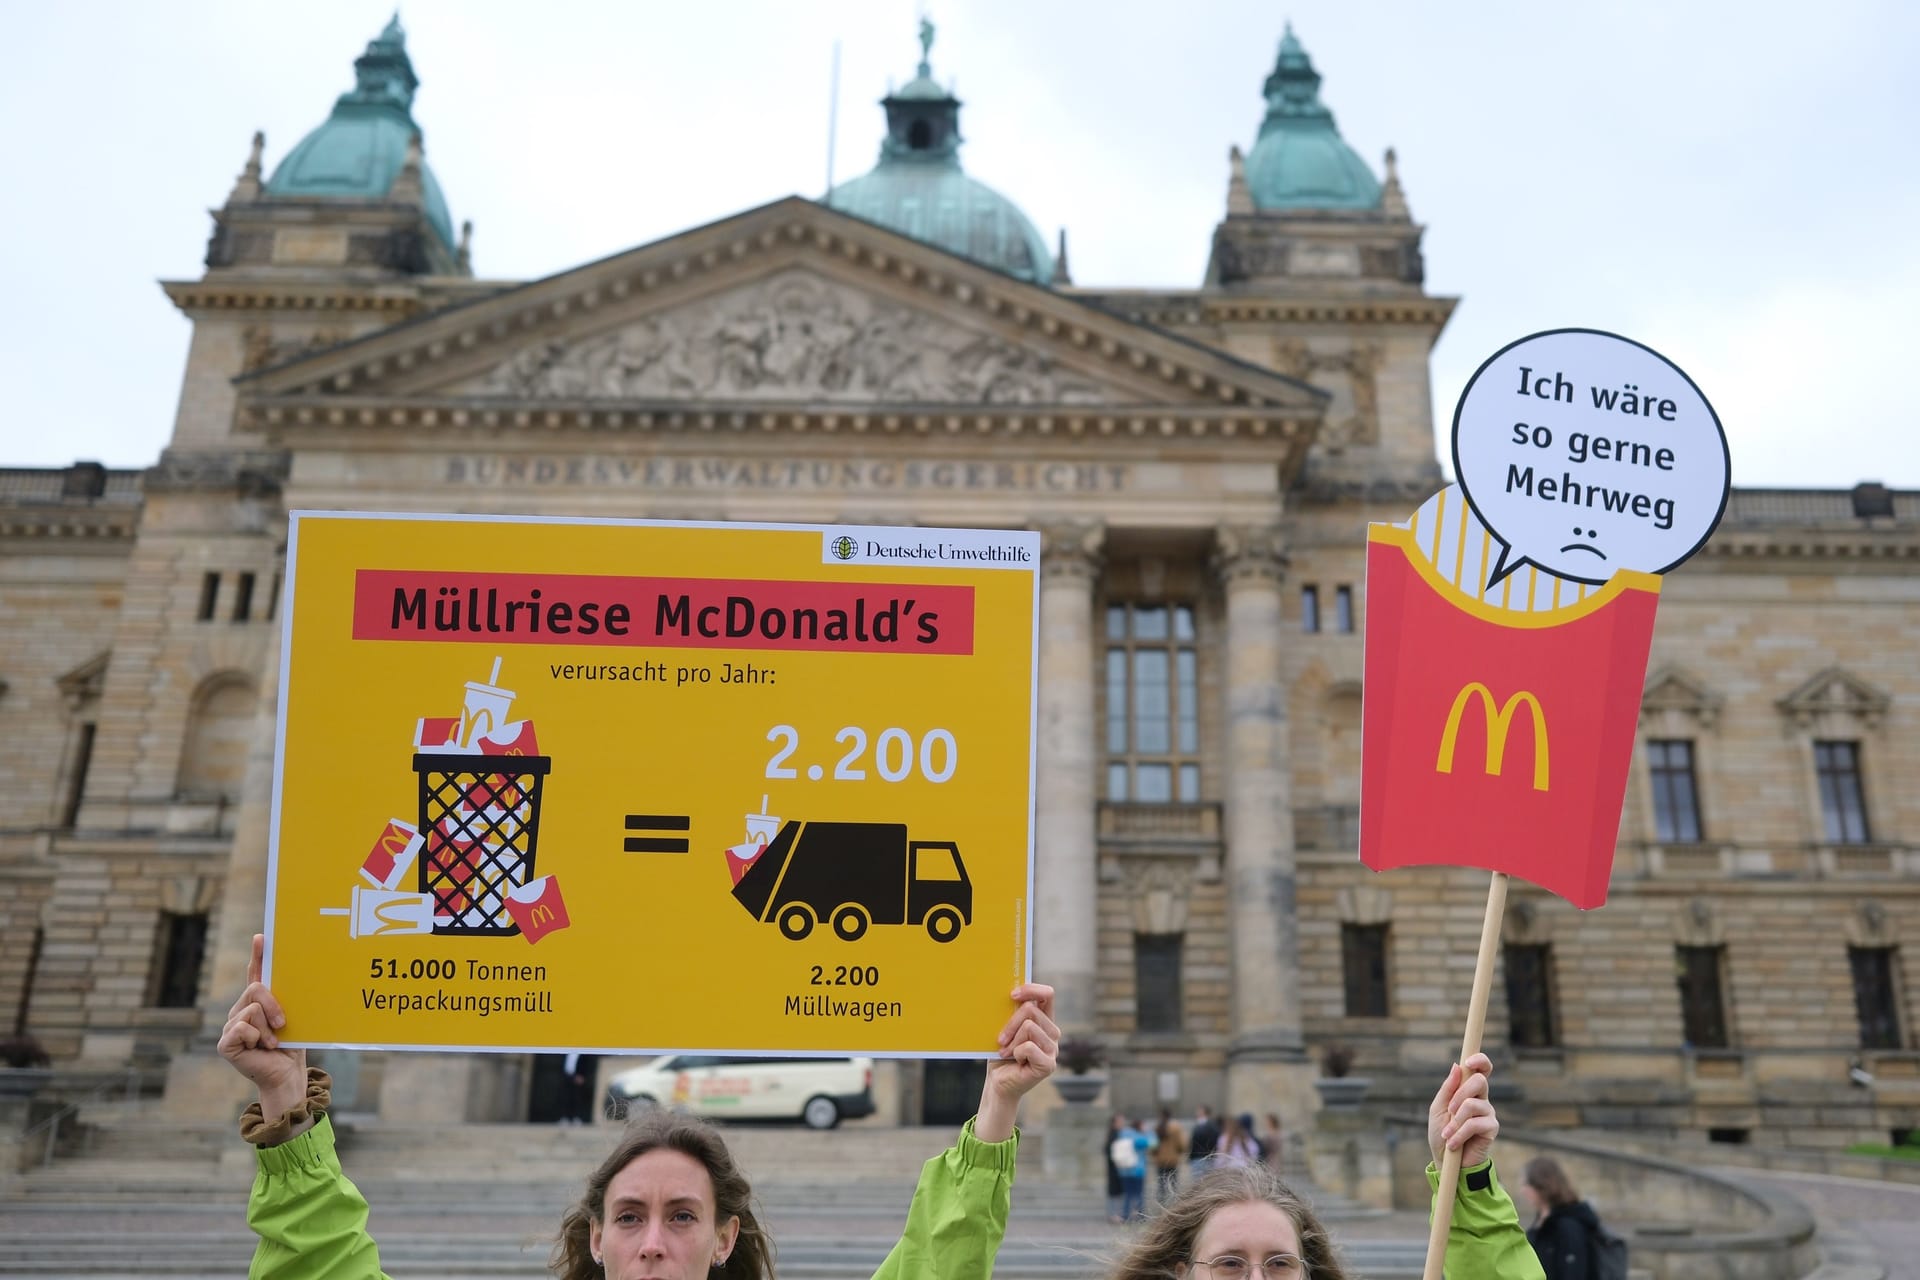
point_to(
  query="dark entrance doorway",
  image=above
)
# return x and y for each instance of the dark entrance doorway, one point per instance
(556, 1095)
(950, 1090)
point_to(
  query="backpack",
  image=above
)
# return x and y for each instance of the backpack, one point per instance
(1126, 1157)
(1609, 1255)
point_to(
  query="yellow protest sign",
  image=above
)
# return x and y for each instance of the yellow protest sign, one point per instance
(629, 786)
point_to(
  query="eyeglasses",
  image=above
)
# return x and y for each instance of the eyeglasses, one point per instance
(1279, 1266)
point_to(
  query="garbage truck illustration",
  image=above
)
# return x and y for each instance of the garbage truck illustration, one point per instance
(852, 875)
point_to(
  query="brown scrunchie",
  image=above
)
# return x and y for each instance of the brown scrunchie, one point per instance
(255, 1128)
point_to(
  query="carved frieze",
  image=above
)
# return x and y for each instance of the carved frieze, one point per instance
(791, 337)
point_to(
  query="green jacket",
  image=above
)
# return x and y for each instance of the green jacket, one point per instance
(312, 1221)
(1486, 1240)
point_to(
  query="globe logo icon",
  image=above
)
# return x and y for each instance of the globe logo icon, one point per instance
(845, 548)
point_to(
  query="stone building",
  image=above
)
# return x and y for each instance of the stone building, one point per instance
(1202, 464)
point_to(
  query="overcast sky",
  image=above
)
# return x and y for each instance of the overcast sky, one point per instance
(1734, 184)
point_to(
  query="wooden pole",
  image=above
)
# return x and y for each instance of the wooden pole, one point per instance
(1469, 1045)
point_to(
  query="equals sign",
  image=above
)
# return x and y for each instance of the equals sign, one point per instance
(656, 822)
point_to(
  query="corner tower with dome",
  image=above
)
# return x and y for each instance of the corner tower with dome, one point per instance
(1200, 461)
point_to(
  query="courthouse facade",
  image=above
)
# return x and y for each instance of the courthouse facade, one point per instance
(1202, 464)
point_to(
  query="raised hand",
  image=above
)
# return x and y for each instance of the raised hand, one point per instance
(1028, 1046)
(251, 1044)
(1462, 1115)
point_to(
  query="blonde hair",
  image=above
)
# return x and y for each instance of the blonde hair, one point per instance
(1169, 1239)
(651, 1130)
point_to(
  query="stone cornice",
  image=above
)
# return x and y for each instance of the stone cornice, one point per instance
(398, 360)
(94, 523)
(1182, 311)
(277, 416)
(1731, 549)
(214, 294)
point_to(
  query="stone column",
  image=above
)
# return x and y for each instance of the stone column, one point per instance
(1266, 1060)
(1066, 914)
(200, 1085)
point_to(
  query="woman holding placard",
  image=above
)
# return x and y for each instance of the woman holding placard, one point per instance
(1235, 1223)
(668, 1203)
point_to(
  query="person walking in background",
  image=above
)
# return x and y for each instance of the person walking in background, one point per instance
(1565, 1227)
(1205, 1138)
(1237, 1147)
(1133, 1171)
(1169, 1153)
(1116, 1189)
(1271, 1143)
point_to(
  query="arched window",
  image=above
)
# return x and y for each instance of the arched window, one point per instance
(213, 759)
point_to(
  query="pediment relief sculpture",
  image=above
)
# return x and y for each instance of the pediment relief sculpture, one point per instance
(792, 337)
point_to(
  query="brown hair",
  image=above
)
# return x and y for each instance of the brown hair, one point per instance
(1168, 1240)
(1545, 1176)
(651, 1130)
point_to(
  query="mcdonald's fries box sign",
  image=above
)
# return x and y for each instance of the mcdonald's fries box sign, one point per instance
(627, 786)
(1493, 737)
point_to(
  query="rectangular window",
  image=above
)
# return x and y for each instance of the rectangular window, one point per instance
(1363, 960)
(243, 598)
(1676, 804)
(1843, 795)
(1153, 704)
(1156, 980)
(1530, 995)
(77, 776)
(273, 597)
(1701, 975)
(1343, 609)
(1876, 996)
(179, 946)
(209, 595)
(1309, 608)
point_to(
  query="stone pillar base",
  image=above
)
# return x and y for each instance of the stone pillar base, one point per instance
(1283, 1086)
(202, 1088)
(1347, 1153)
(1074, 1153)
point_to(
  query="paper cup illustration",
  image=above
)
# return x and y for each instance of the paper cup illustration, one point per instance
(762, 827)
(486, 708)
(381, 913)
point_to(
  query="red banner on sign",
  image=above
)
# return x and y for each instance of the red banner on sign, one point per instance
(674, 613)
(1498, 738)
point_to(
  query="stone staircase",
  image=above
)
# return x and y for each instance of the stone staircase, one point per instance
(150, 1199)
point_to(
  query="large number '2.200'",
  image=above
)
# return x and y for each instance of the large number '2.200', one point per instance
(894, 754)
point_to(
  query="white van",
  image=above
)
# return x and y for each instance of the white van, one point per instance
(820, 1091)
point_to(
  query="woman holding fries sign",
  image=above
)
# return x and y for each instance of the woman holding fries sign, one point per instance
(669, 1203)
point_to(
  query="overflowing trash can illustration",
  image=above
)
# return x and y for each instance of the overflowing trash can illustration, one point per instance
(481, 816)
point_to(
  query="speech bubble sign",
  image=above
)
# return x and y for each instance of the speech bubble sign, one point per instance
(1586, 452)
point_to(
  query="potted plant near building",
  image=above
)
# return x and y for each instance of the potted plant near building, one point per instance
(1339, 1088)
(25, 1062)
(1080, 1055)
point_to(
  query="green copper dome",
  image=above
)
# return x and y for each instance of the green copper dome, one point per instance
(357, 151)
(1300, 161)
(919, 190)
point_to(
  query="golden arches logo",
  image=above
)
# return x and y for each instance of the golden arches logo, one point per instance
(540, 915)
(1499, 720)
